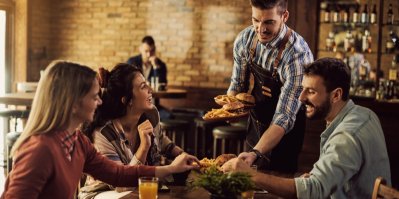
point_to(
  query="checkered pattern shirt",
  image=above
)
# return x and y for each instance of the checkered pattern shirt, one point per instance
(295, 56)
(68, 142)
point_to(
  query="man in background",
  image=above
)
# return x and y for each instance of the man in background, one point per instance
(147, 60)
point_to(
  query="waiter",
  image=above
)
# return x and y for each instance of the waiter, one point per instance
(275, 55)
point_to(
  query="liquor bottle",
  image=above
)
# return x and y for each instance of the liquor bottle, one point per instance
(392, 77)
(355, 17)
(365, 15)
(390, 16)
(373, 15)
(390, 43)
(348, 41)
(381, 90)
(330, 42)
(366, 42)
(326, 17)
(345, 15)
(335, 15)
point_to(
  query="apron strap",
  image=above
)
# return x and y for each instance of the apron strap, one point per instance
(281, 48)
(252, 50)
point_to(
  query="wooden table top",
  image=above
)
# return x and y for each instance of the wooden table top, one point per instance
(182, 192)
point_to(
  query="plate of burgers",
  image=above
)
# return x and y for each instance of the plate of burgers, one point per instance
(233, 107)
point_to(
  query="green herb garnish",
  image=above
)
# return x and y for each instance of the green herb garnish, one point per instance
(224, 184)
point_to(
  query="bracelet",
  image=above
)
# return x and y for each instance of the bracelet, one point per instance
(257, 153)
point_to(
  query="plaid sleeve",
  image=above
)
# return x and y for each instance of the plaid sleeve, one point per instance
(289, 104)
(240, 75)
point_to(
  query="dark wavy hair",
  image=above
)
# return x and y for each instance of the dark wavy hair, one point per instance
(335, 74)
(116, 84)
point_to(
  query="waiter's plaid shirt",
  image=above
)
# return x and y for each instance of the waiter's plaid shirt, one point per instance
(295, 56)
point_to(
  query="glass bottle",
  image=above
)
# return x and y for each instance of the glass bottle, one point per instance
(366, 42)
(355, 17)
(390, 16)
(392, 77)
(364, 16)
(335, 15)
(326, 17)
(373, 15)
(390, 43)
(330, 42)
(345, 15)
(381, 90)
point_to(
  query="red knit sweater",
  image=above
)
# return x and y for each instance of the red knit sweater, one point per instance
(41, 169)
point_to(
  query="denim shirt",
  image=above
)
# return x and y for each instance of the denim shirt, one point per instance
(352, 155)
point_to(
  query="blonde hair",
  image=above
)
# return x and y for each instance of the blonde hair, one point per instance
(62, 85)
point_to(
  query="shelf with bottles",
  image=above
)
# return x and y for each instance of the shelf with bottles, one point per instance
(348, 12)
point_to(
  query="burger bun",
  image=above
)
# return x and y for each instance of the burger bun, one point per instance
(246, 98)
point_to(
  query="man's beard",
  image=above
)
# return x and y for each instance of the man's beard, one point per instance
(319, 112)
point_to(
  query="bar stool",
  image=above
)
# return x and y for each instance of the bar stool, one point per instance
(176, 129)
(230, 133)
(203, 134)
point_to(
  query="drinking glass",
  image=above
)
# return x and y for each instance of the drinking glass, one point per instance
(148, 188)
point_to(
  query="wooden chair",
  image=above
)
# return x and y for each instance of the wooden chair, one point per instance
(381, 190)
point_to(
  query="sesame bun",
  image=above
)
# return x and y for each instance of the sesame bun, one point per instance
(245, 97)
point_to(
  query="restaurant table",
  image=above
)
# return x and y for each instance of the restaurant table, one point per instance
(182, 192)
(168, 94)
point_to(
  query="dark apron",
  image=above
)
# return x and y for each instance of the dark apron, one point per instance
(284, 156)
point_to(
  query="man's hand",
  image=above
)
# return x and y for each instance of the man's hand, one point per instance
(236, 164)
(153, 61)
(266, 91)
(248, 157)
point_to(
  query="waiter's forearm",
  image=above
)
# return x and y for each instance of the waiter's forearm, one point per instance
(270, 138)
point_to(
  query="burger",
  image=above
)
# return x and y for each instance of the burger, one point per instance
(247, 99)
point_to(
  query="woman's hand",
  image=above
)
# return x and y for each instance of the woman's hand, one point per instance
(145, 130)
(184, 162)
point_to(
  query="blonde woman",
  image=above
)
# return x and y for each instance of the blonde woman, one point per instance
(51, 155)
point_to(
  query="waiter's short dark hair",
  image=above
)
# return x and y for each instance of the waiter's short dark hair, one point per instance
(148, 40)
(335, 73)
(269, 4)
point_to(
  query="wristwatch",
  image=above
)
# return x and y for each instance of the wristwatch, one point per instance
(257, 153)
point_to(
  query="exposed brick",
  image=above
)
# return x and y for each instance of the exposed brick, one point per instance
(195, 38)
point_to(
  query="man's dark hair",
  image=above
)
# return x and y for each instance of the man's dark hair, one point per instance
(148, 40)
(335, 74)
(269, 4)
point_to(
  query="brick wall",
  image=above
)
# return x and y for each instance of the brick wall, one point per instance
(195, 38)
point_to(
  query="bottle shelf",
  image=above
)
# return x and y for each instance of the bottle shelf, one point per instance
(349, 24)
(342, 50)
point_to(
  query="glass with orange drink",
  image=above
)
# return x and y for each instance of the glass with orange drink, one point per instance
(148, 188)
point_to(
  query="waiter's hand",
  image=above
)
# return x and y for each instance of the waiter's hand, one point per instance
(266, 91)
(248, 157)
